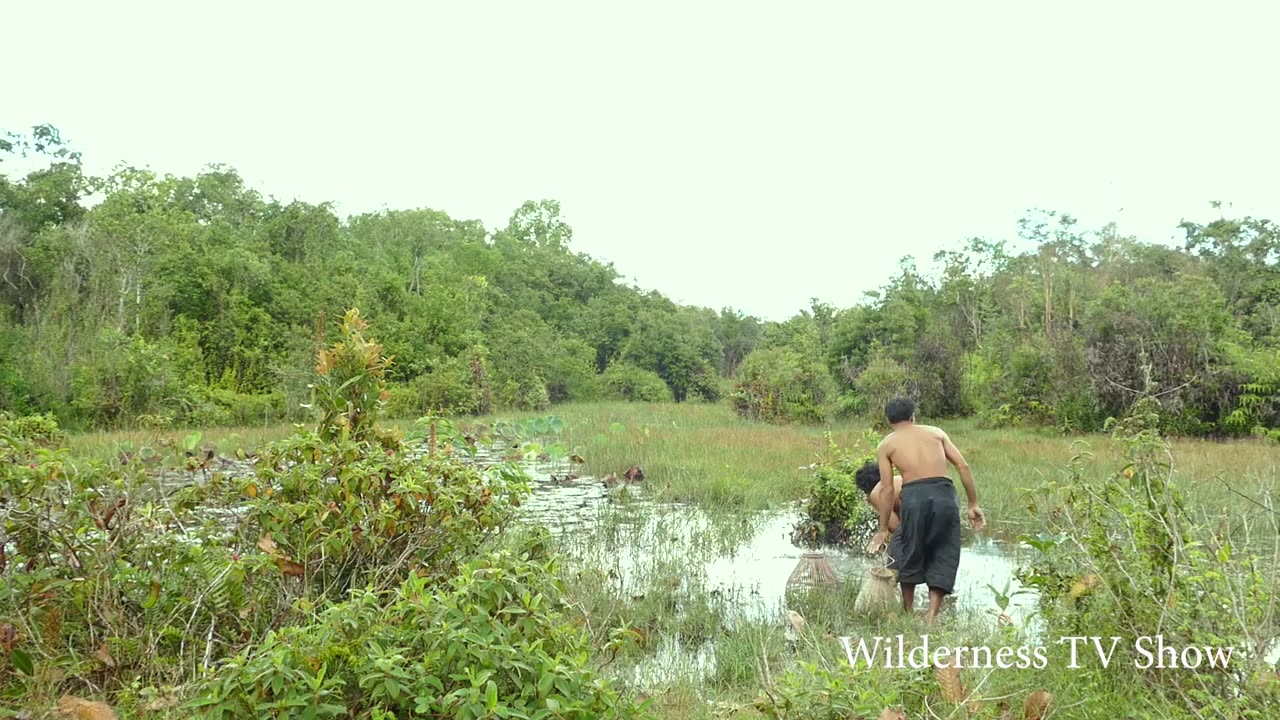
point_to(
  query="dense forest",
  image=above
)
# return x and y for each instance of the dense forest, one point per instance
(141, 299)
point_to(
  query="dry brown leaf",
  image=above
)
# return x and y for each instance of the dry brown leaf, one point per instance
(267, 545)
(1037, 705)
(892, 714)
(796, 620)
(8, 637)
(81, 709)
(289, 567)
(949, 678)
(103, 654)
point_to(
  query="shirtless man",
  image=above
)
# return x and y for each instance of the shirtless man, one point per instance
(930, 514)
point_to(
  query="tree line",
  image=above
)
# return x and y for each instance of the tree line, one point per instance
(136, 298)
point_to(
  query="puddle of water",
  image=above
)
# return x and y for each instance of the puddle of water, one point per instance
(745, 559)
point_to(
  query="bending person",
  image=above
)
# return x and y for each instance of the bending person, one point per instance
(930, 513)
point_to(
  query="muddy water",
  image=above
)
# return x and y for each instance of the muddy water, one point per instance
(744, 561)
(755, 568)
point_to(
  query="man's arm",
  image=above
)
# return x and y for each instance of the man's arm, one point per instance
(888, 491)
(976, 516)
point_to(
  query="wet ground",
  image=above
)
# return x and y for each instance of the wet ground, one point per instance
(759, 565)
(747, 559)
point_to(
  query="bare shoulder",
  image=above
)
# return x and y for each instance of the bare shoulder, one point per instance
(886, 443)
(935, 431)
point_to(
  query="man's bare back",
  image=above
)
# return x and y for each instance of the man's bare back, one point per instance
(928, 535)
(920, 452)
(917, 450)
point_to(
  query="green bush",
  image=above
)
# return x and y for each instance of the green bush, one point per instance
(781, 385)
(343, 552)
(451, 387)
(16, 391)
(223, 407)
(882, 380)
(128, 378)
(494, 641)
(836, 509)
(621, 381)
(1127, 557)
(814, 691)
(39, 430)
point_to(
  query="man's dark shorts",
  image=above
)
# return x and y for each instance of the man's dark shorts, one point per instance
(926, 547)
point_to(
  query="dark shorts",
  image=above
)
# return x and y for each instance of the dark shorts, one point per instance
(928, 539)
(895, 548)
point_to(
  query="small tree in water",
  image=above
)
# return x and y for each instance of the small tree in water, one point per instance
(350, 387)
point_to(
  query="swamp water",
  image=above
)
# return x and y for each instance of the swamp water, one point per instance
(736, 563)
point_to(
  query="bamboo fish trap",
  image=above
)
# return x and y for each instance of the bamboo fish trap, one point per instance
(813, 571)
(878, 593)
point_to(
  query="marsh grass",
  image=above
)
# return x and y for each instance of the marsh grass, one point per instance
(705, 455)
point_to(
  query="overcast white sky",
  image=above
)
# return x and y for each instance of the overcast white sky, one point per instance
(726, 153)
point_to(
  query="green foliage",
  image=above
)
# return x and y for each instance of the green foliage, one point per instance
(621, 381)
(350, 385)
(882, 380)
(145, 572)
(681, 347)
(781, 385)
(197, 300)
(36, 430)
(837, 511)
(493, 641)
(128, 378)
(1127, 555)
(817, 692)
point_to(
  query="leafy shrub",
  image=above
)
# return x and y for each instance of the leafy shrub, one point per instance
(1033, 382)
(129, 377)
(528, 392)
(140, 574)
(451, 387)
(350, 385)
(38, 430)
(493, 641)
(781, 385)
(836, 509)
(402, 401)
(346, 514)
(16, 390)
(880, 381)
(823, 692)
(621, 381)
(1125, 557)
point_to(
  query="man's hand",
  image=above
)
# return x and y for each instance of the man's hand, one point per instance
(977, 517)
(877, 542)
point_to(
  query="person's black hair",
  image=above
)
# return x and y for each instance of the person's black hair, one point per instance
(899, 410)
(867, 476)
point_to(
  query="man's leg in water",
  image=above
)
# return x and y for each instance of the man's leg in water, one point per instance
(908, 597)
